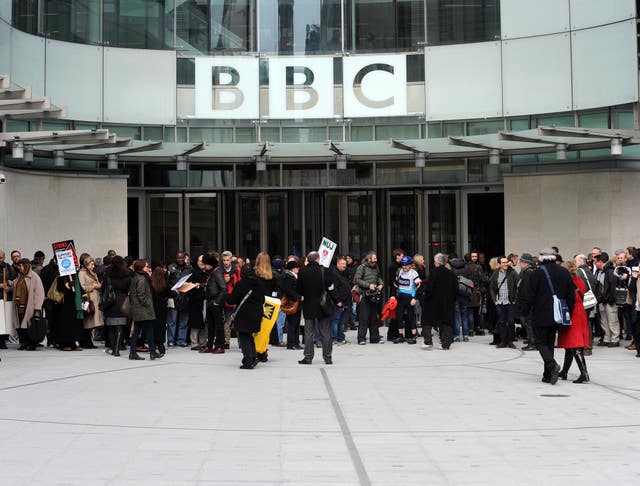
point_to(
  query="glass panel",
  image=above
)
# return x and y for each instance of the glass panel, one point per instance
(484, 127)
(245, 135)
(125, 131)
(221, 135)
(332, 218)
(186, 71)
(232, 25)
(336, 133)
(375, 25)
(486, 232)
(83, 164)
(624, 120)
(481, 171)
(152, 133)
(360, 223)
(519, 124)
(462, 21)
(203, 221)
(415, 68)
(594, 120)
(306, 176)
(453, 128)
(276, 225)
(17, 125)
(249, 225)
(134, 172)
(210, 176)
(434, 130)
(133, 226)
(24, 15)
(313, 219)
(385, 132)
(309, 134)
(192, 26)
(562, 120)
(55, 125)
(164, 224)
(270, 134)
(137, 24)
(356, 174)
(77, 21)
(300, 26)
(449, 170)
(402, 213)
(248, 176)
(442, 224)
(394, 173)
(166, 175)
(85, 126)
(295, 221)
(359, 134)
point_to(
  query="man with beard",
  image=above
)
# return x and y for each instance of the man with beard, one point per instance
(368, 278)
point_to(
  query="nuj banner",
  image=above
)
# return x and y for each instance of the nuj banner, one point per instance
(326, 250)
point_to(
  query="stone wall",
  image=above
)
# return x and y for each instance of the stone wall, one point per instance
(38, 208)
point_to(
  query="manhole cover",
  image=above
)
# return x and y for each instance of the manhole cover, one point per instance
(554, 396)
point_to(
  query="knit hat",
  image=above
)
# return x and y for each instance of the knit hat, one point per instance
(527, 258)
(547, 254)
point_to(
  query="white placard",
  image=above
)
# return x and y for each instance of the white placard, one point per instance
(180, 282)
(375, 85)
(326, 250)
(66, 265)
(301, 87)
(236, 90)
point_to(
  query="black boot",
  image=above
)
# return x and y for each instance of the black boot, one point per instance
(568, 359)
(161, 350)
(134, 356)
(116, 340)
(582, 366)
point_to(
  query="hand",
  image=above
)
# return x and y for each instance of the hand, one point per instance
(379, 287)
(413, 302)
(97, 285)
(372, 286)
(623, 276)
(634, 274)
(339, 304)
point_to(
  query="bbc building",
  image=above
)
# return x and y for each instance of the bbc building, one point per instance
(150, 126)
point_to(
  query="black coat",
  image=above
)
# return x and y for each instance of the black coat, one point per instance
(440, 292)
(160, 304)
(342, 290)
(288, 286)
(310, 286)
(536, 296)
(195, 299)
(121, 287)
(608, 289)
(216, 291)
(250, 313)
(67, 327)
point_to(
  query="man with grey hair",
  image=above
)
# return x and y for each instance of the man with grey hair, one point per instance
(313, 281)
(440, 292)
(368, 278)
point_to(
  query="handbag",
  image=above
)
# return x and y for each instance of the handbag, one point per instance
(561, 314)
(289, 306)
(126, 306)
(88, 307)
(327, 307)
(108, 296)
(54, 294)
(37, 327)
(589, 300)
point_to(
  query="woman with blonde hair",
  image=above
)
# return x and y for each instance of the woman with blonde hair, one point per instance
(268, 285)
(494, 266)
(91, 286)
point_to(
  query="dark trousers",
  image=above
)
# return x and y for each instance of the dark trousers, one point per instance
(248, 347)
(293, 329)
(23, 338)
(545, 341)
(148, 331)
(506, 329)
(446, 334)
(635, 329)
(393, 331)
(159, 332)
(406, 315)
(368, 320)
(215, 327)
(526, 323)
(427, 328)
(324, 328)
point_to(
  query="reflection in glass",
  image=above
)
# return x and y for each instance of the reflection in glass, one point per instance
(77, 21)
(249, 225)
(462, 21)
(307, 176)
(442, 224)
(138, 24)
(203, 212)
(156, 175)
(402, 215)
(300, 26)
(276, 225)
(397, 173)
(360, 223)
(164, 224)
(210, 176)
(24, 15)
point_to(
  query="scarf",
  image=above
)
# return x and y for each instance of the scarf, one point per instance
(78, 297)
(21, 295)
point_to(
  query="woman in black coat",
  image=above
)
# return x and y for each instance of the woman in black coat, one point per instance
(160, 292)
(248, 315)
(288, 284)
(68, 316)
(438, 309)
(118, 278)
(196, 296)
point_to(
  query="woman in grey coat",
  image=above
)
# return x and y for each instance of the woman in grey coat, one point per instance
(141, 308)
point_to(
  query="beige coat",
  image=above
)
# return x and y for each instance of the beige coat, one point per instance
(86, 281)
(35, 300)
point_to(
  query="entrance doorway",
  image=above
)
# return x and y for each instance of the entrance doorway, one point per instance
(485, 216)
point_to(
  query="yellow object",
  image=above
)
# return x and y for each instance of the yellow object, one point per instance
(271, 309)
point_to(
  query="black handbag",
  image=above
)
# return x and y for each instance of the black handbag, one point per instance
(107, 297)
(327, 307)
(37, 327)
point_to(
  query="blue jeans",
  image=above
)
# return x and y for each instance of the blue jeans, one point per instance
(280, 325)
(462, 318)
(181, 318)
(337, 324)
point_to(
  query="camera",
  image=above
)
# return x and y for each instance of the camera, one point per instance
(3, 179)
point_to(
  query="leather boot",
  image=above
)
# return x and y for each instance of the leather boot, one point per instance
(116, 341)
(133, 355)
(568, 359)
(582, 366)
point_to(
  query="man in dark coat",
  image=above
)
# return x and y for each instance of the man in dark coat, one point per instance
(341, 295)
(440, 293)
(537, 301)
(392, 272)
(527, 266)
(310, 286)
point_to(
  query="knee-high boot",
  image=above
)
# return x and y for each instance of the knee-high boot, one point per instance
(568, 359)
(117, 340)
(582, 365)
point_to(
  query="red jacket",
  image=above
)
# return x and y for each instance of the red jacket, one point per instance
(577, 334)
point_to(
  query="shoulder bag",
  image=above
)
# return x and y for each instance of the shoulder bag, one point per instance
(589, 300)
(54, 294)
(289, 306)
(230, 319)
(561, 314)
(37, 327)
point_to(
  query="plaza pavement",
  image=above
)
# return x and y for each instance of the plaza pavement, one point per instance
(382, 414)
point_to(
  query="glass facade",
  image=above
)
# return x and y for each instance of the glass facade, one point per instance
(462, 21)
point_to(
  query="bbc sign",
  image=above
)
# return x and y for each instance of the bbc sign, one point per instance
(301, 87)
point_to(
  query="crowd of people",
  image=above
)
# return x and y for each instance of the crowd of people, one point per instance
(126, 304)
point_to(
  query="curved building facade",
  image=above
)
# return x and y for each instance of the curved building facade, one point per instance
(198, 74)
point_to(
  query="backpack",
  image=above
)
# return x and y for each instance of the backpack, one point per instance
(465, 286)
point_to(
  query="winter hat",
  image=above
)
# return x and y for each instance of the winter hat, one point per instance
(527, 258)
(406, 260)
(547, 254)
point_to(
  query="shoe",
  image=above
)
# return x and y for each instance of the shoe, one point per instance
(22, 347)
(170, 345)
(328, 361)
(465, 339)
(427, 346)
(553, 376)
(602, 343)
(280, 345)
(218, 350)
(398, 340)
(182, 345)
(578, 354)
(248, 366)
(631, 347)
(411, 341)
(479, 333)
(340, 343)
(153, 355)
(614, 345)
(588, 352)
(493, 343)
(545, 379)
(205, 349)
(304, 361)
(227, 346)
(456, 339)
(196, 348)
(262, 357)
(528, 348)
(511, 346)
(501, 346)
(442, 348)
(142, 349)
(318, 345)
(3, 345)
(134, 356)
(362, 343)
